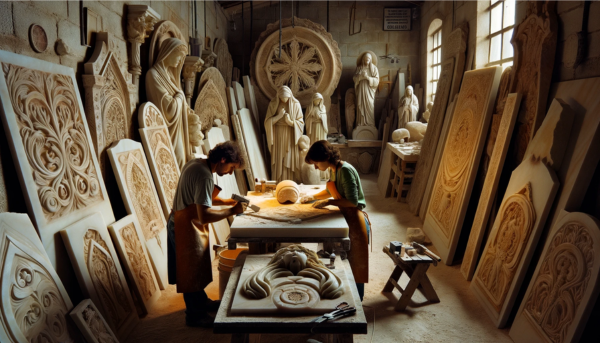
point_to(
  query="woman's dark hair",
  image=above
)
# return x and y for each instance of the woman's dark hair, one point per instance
(229, 150)
(322, 151)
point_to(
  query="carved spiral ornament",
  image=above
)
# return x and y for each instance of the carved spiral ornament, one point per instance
(54, 138)
(137, 259)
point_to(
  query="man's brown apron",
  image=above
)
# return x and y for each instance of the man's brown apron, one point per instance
(359, 247)
(194, 269)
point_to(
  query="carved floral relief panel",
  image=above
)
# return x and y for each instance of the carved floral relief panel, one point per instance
(213, 74)
(210, 106)
(91, 323)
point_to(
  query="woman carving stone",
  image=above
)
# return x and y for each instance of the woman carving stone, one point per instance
(366, 80)
(284, 125)
(410, 108)
(163, 88)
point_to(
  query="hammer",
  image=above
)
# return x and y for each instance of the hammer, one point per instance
(422, 250)
(240, 198)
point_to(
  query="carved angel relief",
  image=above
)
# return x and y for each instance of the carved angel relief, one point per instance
(300, 66)
(105, 278)
(55, 140)
(503, 254)
(562, 280)
(96, 326)
(137, 259)
(139, 185)
(37, 304)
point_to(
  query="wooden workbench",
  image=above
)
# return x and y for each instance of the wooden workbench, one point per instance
(329, 224)
(241, 326)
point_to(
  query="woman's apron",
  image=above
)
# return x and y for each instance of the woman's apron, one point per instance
(194, 268)
(358, 256)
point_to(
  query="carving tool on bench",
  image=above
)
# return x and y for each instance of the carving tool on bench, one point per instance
(245, 200)
(423, 250)
(341, 310)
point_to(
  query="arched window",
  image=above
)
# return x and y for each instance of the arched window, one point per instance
(502, 22)
(434, 57)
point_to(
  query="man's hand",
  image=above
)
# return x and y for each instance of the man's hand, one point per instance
(307, 198)
(321, 203)
(240, 207)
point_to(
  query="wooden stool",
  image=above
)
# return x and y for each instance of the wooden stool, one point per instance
(416, 268)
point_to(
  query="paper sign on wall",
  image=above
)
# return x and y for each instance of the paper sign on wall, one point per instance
(396, 19)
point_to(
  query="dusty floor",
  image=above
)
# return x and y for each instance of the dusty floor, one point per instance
(457, 318)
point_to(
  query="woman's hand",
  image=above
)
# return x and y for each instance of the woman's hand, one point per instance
(307, 198)
(321, 203)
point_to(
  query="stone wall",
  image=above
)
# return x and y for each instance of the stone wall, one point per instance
(404, 44)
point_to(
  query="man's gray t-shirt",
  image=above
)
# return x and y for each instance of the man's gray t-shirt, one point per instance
(195, 185)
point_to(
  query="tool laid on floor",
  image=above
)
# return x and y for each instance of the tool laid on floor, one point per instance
(240, 198)
(341, 310)
(423, 250)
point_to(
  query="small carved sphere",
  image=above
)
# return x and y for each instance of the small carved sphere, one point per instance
(400, 136)
(287, 192)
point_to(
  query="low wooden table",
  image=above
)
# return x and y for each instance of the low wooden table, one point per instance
(416, 269)
(404, 160)
(240, 327)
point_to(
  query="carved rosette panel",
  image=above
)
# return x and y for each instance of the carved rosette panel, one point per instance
(224, 62)
(210, 106)
(104, 275)
(562, 281)
(96, 326)
(214, 74)
(35, 300)
(137, 260)
(310, 60)
(459, 152)
(168, 170)
(139, 186)
(300, 66)
(55, 140)
(504, 252)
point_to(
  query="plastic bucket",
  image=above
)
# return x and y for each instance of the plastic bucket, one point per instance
(226, 261)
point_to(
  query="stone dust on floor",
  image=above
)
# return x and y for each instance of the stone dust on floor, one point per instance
(457, 318)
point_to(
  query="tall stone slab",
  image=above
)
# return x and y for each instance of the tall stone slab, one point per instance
(129, 240)
(416, 193)
(231, 101)
(52, 148)
(26, 274)
(455, 47)
(564, 286)
(488, 192)
(251, 138)
(458, 166)
(523, 213)
(251, 99)
(223, 62)
(139, 196)
(99, 272)
(239, 138)
(238, 91)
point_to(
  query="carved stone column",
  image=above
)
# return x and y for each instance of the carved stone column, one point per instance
(140, 22)
(191, 67)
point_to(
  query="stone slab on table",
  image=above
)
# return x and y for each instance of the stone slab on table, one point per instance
(409, 152)
(226, 323)
(329, 224)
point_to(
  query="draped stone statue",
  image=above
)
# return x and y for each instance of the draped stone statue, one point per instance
(316, 123)
(163, 88)
(409, 108)
(366, 80)
(284, 125)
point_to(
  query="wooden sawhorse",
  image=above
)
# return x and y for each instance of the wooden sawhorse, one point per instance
(416, 269)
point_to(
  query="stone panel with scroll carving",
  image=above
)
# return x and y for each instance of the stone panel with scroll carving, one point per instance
(140, 198)
(456, 173)
(91, 323)
(51, 146)
(210, 106)
(161, 157)
(310, 60)
(224, 62)
(214, 74)
(564, 285)
(129, 240)
(109, 96)
(27, 278)
(488, 192)
(523, 212)
(99, 272)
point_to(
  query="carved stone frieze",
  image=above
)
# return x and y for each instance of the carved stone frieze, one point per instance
(214, 74)
(223, 61)
(310, 60)
(210, 106)
(110, 97)
(140, 22)
(456, 173)
(161, 157)
(91, 323)
(51, 145)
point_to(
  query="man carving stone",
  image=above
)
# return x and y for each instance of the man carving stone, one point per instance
(284, 125)
(188, 249)
(366, 80)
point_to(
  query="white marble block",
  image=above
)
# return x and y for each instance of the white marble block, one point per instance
(238, 91)
(251, 138)
(91, 323)
(251, 99)
(99, 272)
(33, 94)
(129, 240)
(139, 196)
(27, 277)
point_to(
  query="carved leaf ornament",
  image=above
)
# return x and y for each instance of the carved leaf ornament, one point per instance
(562, 281)
(210, 105)
(55, 141)
(167, 168)
(300, 66)
(137, 259)
(501, 260)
